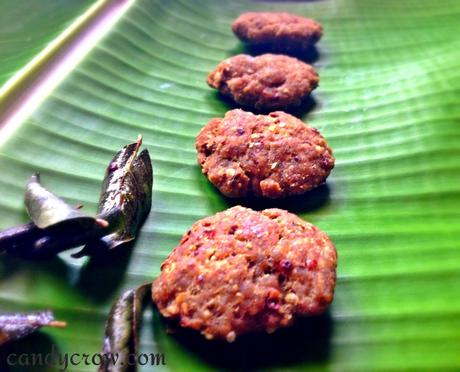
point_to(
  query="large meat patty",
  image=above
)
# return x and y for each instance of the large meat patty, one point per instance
(241, 271)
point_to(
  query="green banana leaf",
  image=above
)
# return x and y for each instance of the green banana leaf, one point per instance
(27, 27)
(388, 103)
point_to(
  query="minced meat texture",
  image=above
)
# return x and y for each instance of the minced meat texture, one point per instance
(278, 31)
(271, 156)
(241, 271)
(266, 82)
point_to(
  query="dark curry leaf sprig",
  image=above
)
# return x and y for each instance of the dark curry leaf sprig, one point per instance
(122, 328)
(16, 326)
(127, 188)
(125, 202)
(55, 227)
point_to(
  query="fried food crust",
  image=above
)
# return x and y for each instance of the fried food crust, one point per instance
(278, 31)
(242, 271)
(271, 156)
(265, 82)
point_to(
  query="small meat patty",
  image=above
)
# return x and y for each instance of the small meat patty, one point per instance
(265, 82)
(269, 156)
(241, 271)
(278, 31)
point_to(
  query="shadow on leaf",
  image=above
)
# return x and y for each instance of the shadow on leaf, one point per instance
(308, 105)
(308, 342)
(308, 202)
(309, 55)
(101, 276)
(37, 353)
(10, 265)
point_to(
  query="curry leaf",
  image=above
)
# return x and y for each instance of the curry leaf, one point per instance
(16, 326)
(122, 329)
(127, 186)
(56, 226)
(126, 193)
(46, 209)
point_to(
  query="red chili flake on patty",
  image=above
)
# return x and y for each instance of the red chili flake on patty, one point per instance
(311, 264)
(232, 229)
(210, 234)
(286, 265)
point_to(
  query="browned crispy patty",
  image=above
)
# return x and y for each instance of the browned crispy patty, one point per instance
(265, 82)
(241, 271)
(279, 31)
(270, 156)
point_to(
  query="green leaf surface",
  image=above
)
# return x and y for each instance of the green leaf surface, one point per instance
(388, 103)
(26, 27)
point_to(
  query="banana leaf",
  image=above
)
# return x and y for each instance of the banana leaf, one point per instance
(388, 103)
(27, 27)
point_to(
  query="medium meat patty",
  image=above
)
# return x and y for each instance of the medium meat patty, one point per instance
(270, 156)
(266, 82)
(241, 271)
(277, 31)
